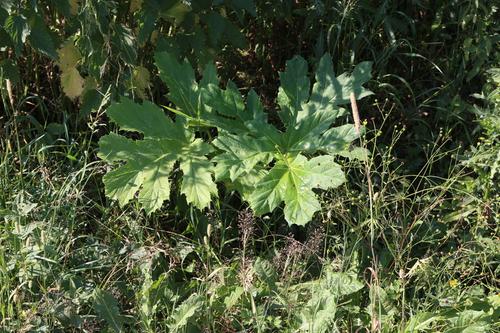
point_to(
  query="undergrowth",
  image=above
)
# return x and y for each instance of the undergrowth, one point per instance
(408, 242)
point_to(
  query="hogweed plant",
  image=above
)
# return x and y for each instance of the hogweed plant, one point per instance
(266, 165)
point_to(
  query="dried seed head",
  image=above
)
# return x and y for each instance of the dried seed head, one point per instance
(245, 225)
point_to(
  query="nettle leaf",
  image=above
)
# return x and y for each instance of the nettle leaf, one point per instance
(18, 29)
(150, 161)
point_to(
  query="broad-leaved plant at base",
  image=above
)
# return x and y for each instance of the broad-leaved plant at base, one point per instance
(267, 166)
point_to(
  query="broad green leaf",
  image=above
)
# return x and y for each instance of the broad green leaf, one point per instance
(317, 115)
(106, 307)
(40, 38)
(319, 313)
(469, 321)
(149, 162)
(324, 173)
(254, 106)
(197, 184)
(156, 185)
(337, 139)
(122, 183)
(289, 181)
(420, 322)
(294, 89)
(270, 191)
(228, 102)
(313, 123)
(266, 165)
(329, 89)
(246, 185)
(342, 283)
(357, 153)
(145, 118)
(300, 204)
(72, 83)
(180, 79)
(233, 298)
(227, 111)
(242, 153)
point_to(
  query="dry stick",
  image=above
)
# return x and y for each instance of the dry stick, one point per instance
(9, 92)
(355, 113)
(375, 325)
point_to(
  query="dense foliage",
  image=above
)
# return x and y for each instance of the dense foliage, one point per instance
(198, 166)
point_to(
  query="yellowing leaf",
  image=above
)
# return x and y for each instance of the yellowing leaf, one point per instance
(74, 6)
(178, 12)
(68, 56)
(154, 36)
(135, 5)
(141, 80)
(72, 83)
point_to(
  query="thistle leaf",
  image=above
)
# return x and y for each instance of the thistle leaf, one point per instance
(184, 312)
(106, 308)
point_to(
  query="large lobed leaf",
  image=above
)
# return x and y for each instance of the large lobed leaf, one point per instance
(291, 180)
(149, 162)
(268, 166)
